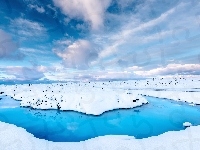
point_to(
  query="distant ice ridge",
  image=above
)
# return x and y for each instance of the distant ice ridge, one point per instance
(13, 138)
(87, 98)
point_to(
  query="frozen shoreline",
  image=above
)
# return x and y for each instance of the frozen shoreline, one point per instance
(12, 137)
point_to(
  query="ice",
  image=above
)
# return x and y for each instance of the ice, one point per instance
(190, 97)
(12, 137)
(99, 96)
(6, 102)
(187, 124)
(90, 98)
(96, 98)
(178, 89)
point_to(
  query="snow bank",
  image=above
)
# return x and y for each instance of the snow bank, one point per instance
(13, 138)
(86, 98)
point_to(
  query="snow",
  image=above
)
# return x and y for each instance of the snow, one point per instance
(96, 97)
(178, 89)
(8, 103)
(187, 124)
(87, 98)
(12, 138)
(190, 97)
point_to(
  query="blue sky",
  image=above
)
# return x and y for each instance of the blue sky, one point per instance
(84, 39)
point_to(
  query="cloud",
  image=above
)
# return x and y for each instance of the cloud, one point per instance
(155, 37)
(135, 72)
(128, 31)
(105, 75)
(27, 28)
(36, 7)
(25, 73)
(153, 40)
(27, 51)
(67, 74)
(173, 69)
(123, 4)
(62, 43)
(77, 55)
(91, 11)
(8, 48)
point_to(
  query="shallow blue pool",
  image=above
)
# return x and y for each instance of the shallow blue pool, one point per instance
(155, 118)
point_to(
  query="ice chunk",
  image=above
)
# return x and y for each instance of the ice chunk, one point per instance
(187, 124)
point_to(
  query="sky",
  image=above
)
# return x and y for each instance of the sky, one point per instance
(98, 39)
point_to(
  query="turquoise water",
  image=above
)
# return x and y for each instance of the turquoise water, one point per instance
(155, 118)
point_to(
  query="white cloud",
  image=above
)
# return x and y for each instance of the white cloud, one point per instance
(27, 28)
(112, 75)
(91, 11)
(172, 69)
(8, 48)
(25, 73)
(124, 3)
(62, 42)
(29, 51)
(134, 68)
(131, 30)
(168, 34)
(61, 73)
(66, 74)
(36, 7)
(77, 55)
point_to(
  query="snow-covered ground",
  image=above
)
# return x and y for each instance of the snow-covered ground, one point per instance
(89, 98)
(98, 96)
(178, 89)
(13, 138)
(190, 97)
(95, 98)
